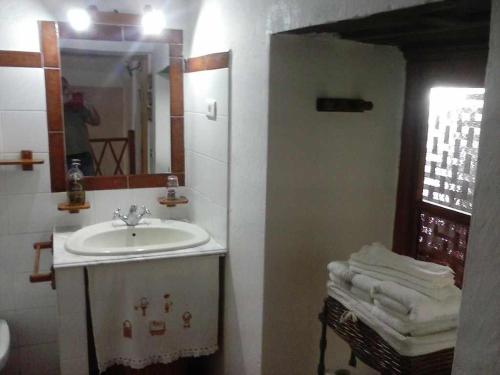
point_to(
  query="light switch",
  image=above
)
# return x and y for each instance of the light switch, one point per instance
(211, 109)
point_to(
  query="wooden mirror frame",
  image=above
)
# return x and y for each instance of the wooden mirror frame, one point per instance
(110, 27)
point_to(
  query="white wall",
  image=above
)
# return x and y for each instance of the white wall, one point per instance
(331, 183)
(94, 70)
(478, 345)
(244, 27)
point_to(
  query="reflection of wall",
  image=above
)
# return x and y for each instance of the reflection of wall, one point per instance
(161, 109)
(109, 103)
(94, 70)
(104, 83)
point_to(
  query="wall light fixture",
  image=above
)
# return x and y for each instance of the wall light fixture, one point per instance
(153, 21)
(79, 19)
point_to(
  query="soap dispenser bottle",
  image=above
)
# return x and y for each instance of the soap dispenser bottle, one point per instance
(74, 182)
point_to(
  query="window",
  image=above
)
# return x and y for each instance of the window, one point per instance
(453, 129)
(438, 160)
(452, 146)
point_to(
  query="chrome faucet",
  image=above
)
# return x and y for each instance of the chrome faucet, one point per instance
(134, 215)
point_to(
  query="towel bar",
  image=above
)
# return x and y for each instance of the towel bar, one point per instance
(36, 276)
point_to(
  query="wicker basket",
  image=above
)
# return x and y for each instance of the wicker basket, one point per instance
(373, 350)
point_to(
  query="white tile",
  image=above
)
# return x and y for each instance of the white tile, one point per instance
(7, 291)
(28, 295)
(13, 180)
(211, 84)
(34, 326)
(18, 34)
(40, 360)
(219, 224)
(64, 218)
(208, 176)
(30, 213)
(4, 215)
(149, 198)
(72, 336)
(26, 89)
(17, 254)
(209, 216)
(107, 201)
(75, 366)
(205, 136)
(70, 288)
(24, 130)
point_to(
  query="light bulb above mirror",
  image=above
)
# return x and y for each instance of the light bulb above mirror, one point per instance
(153, 21)
(79, 19)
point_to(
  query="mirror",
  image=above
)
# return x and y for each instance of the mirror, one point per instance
(116, 99)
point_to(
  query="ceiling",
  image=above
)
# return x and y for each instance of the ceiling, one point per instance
(448, 23)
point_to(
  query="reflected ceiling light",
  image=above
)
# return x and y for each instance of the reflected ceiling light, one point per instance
(153, 21)
(79, 19)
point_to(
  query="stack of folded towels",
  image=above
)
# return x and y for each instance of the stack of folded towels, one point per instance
(413, 305)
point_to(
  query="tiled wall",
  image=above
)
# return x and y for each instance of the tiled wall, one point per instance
(206, 144)
(25, 216)
(28, 208)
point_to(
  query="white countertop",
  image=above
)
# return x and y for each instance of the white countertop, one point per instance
(64, 259)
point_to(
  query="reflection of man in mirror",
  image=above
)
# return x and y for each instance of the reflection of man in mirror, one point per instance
(78, 113)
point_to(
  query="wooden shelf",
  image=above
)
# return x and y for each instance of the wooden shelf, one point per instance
(172, 202)
(73, 208)
(26, 161)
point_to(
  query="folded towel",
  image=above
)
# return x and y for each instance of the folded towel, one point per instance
(362, 293)
(442, 292)
(405, 345)
(341, 283)
(416, 306)
(340, 270)
(392, 305)
(409, 328)
(364, 282)
(378, 255)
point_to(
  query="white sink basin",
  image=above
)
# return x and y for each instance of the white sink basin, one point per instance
(154, 235)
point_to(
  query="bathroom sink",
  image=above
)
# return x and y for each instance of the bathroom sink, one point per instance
(153, 235)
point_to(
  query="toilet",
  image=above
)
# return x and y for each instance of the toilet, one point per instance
(4, 343)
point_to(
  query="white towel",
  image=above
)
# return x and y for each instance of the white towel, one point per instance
(154, 311)
(419, 307)
(359, 285)
(341, 283)
(406, 327)
(341, 270)
(365, 283)
(423, 286)
(405, 345)
(379, 256)
(361, 294)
